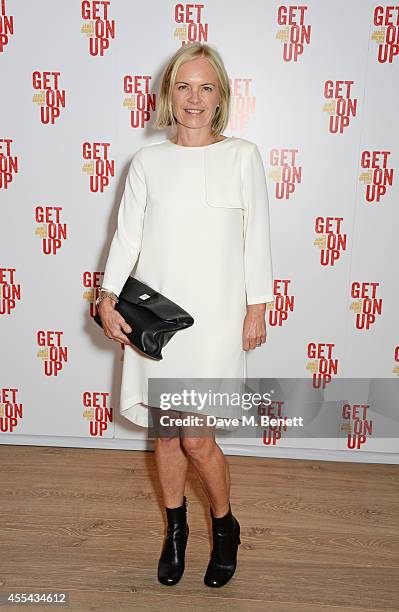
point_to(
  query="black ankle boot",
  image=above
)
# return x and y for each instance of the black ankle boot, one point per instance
(226, 538)
(171, 562)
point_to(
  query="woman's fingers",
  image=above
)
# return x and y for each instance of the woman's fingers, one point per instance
(122, 339)
(252, 343)
(254, 333)
(114, 325)
(123, 327)
(126, 327)
(117, 332)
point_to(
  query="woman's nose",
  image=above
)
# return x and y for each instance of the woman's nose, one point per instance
(194, 97)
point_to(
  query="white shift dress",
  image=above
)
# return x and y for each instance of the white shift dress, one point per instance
(193, 224)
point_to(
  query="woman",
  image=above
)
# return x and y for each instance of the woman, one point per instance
(194, 221)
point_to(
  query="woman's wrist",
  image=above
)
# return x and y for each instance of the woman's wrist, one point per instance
(107, 303)
(256, 307)
(106, 294)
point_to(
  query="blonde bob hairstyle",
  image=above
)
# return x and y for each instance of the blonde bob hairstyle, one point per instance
(184, 54)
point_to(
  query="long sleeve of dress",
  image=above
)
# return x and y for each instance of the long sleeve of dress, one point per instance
(126, 243)
(257, 247)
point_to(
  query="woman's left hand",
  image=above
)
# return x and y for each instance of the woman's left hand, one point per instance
(254, 329)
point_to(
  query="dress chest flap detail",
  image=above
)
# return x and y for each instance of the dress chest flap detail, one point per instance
(222, 173)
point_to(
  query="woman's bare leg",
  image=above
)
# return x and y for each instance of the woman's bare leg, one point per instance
(211, 465)
(172, 465)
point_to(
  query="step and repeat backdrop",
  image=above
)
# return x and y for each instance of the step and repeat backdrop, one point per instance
(316, 87)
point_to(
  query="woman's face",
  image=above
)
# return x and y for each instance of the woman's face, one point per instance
(196, 88)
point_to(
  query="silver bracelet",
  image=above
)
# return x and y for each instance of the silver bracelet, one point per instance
(106, 293)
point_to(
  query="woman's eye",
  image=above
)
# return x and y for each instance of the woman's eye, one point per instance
(207, 87)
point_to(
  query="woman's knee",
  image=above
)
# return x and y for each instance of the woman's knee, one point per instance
(198, 448)
(161, 431)
(167, 444)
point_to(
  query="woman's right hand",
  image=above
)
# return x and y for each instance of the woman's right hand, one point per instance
(113, 323)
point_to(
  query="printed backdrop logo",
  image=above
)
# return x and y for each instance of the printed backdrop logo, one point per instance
(51, 230)
(286, 173)
(192, 30)
(10, 292)
(355, 423)
(8, 163)
(141, 101)
(51, 351)
(396, 360)
(323, 364)
(283, 303)
(295, 34)
(50, 99)
(378, 175)
(387, 37)
(367, 305)
(10, 410)
(97, 26)
(98, 166)
(331, 241)
(275, 410)
(92, 283)
(342, 105)
(6, 26)
(97, 412)
(243, 103)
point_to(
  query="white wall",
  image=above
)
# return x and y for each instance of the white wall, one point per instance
(282, 104)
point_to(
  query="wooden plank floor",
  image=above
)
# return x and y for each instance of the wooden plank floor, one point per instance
(316, 536)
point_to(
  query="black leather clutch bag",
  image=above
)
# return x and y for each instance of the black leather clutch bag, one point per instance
(154, 318)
